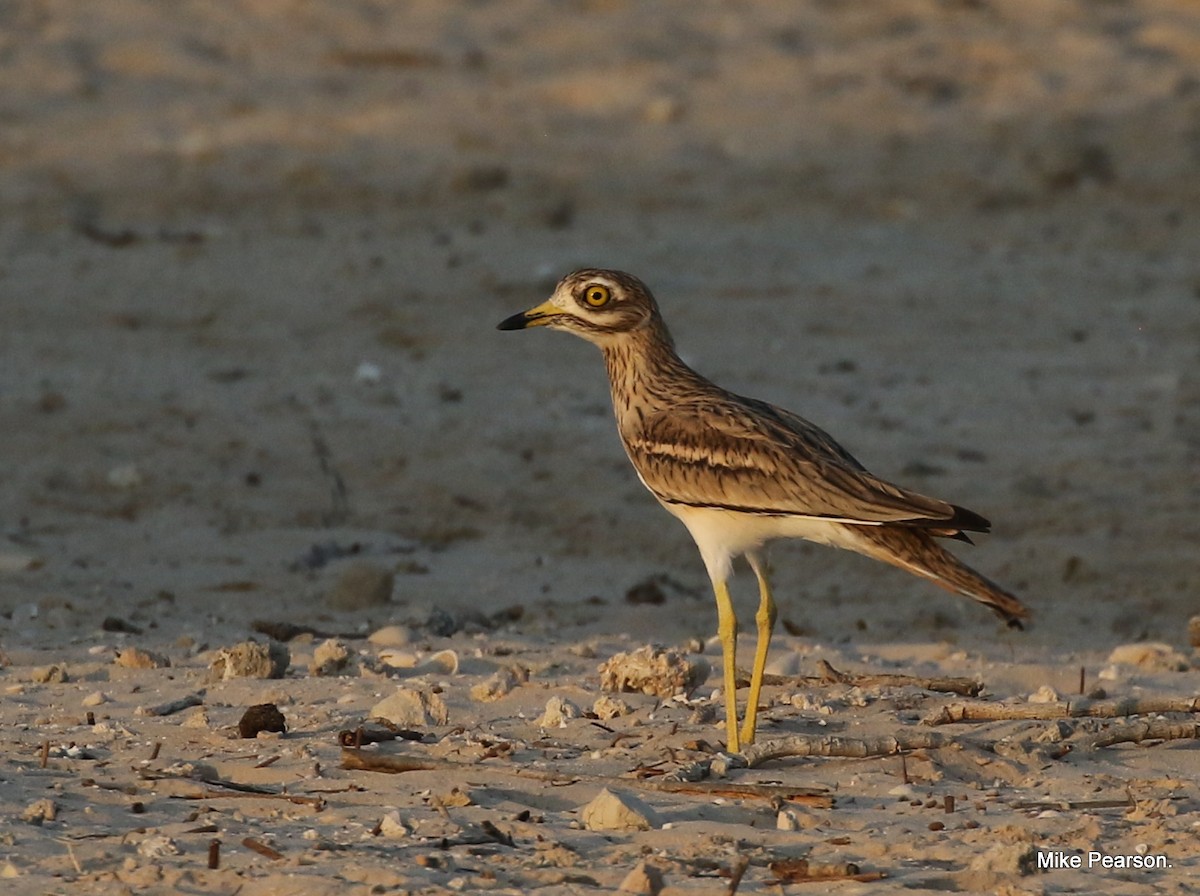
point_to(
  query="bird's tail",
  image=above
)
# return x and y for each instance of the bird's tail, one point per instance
(916, 551)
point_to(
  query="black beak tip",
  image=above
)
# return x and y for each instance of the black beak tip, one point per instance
(516, 322)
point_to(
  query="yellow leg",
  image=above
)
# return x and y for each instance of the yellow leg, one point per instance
(727, 629)
(765, 619)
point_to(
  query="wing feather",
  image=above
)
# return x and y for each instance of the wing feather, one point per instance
(748, 455)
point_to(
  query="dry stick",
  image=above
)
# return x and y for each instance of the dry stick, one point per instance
(851, 747)
(1137, 732)
(44, 757)
(1085, 805)
(804, 795)
(802, 871)
(357, 760)
(261, 848)
(339, 510)
(735, 874)
(214, 853)
(966, 687)
(983, 711)
(173, 706)
(373, 762)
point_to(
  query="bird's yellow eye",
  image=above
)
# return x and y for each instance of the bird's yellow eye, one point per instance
(597, 295)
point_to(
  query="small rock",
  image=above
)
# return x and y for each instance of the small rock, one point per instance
(390, 636)
(95, 698)
(53, 674)
(653, 670)
(1006, 859)
(904, 791)
(443, 662)
(787, 820)
(1151, 656)
(136, 658)
(250, 659)
(610, 811)
(368, 373)
(126, 476)
(39, 812)
(329, 658)
(558, 711)
(1044, 694)
(197, 718)
(503, 682)
(643, 879)
(607, 708)
(156, 846)
(360, 586)
(455, 798)
(16, 562)
(261, 717)
(412, 709)
(391, 825)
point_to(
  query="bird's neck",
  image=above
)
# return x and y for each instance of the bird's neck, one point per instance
(645, 374)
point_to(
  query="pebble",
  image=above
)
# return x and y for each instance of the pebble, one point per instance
(95, 698)
(442, 662)
(390, 636)
(16, 562)
(644, 879)
(126, 476)
(156, 846)
(361, 586)
(502, 683)
(408, 708)
(53, 674)
(261, 717)
(1150, 655)
(250, 659)
(558, 711)
(39, 812)
(1044, 694)
(653, 670)
(610, 811)
(391, 825)
(329, 658)
(136, 658)
(607, 708)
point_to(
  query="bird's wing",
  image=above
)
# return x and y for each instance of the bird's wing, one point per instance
(750, 456)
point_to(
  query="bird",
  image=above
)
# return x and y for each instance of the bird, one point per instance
(740, 473)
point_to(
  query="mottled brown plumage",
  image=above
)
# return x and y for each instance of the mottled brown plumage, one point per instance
(739, 472)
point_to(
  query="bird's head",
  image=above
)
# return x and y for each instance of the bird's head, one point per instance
(598, 305)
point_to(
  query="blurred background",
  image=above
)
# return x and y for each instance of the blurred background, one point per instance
(252, 254)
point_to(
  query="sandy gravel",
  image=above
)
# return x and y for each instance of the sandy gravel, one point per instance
(252, 256)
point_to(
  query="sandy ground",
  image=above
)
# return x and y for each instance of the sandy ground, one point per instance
(251, 259)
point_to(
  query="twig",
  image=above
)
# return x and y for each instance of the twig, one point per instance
(851, 747)
(357, 760)
(966, 687)
(802, 871)
(735, 874)
(314, 801)
(172, 707)
(805, 795)
(44, 755)
(984, 711)
(1137, 732)
(339, 510)
(214, 853)
(261, 848)
(1084, 805)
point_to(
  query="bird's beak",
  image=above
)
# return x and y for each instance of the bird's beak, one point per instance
(534, 317)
